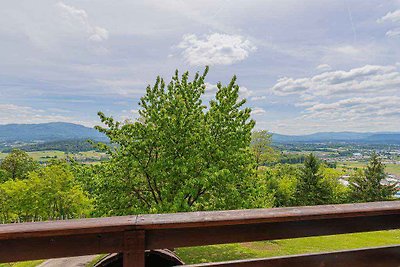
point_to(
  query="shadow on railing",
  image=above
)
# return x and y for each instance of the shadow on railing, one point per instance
(133, 235)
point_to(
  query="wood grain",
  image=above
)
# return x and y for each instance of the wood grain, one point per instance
(28, 241)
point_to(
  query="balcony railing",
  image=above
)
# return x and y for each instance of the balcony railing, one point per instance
(132, 235)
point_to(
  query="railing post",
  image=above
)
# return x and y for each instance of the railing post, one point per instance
(134, 249)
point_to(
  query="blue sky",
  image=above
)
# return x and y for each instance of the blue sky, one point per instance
(304, 66)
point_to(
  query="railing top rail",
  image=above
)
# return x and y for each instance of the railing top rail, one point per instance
(67, 227)
(253, 216)
(196, 219)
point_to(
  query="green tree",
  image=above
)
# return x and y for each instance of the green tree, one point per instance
(4, 176)
(312, 188)
(47, 193)
(262, 149)
(180, 154)
(282, 181)
(340, 192)
(367, 185)
(17, 164)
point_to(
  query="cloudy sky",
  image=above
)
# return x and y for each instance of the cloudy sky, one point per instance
(304, 66)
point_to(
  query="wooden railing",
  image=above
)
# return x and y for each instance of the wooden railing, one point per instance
(132, 235)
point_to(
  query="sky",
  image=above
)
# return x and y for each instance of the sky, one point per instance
(303, 66)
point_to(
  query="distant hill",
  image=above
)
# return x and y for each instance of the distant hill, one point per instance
(337, 137)
(69, 146)
(61, 131)
(46, 132)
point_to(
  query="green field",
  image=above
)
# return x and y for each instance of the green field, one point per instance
(262, 249)
(389, 168)
(393, 169)
(44, 156)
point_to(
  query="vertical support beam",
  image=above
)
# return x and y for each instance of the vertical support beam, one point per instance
(134, 249)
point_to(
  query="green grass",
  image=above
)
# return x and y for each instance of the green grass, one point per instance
(389, 168)
(22, 264)
(46, 155)
(393, 169)
(217, 253)
(96, 260)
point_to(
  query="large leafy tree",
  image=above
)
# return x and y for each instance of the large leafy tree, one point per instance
(180, 154)
(312, 188)
(367, 185)
(17, 164)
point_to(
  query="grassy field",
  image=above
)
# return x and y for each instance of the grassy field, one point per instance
(389, 168)
(44, 156)
(21, 264)
(217, 253)
(393, 169)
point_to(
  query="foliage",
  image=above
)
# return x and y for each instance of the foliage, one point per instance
(285, 158)
(282, 181)
(340, 192)
(181, 155)
(367, 185)
(17, 164)
(69, 146)
(4, 176)
(261, 148)
(47, 193)
(312, 188)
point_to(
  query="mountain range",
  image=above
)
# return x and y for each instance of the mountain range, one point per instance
(47, 132)
(58, 131)
(340, 137)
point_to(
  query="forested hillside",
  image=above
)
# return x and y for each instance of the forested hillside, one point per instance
(54, 131)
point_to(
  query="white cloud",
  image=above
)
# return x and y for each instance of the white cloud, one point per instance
(78, 17)
(258, 111)
(347, 49)
(123, 87)
(394, 17)
(324, 67)
(393, 33)
(128, 115)
(10, 113)
(358, 99)
(215, 49)
(244, 92)
(211, 90)
(258, 98)
(366, 79)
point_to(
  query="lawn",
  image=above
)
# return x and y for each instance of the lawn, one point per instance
(21, 264)
(217, 253)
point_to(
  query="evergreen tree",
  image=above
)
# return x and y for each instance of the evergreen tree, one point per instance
(367, 185)
(312, 189)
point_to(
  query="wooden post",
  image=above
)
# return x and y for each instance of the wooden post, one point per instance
(134, 249)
